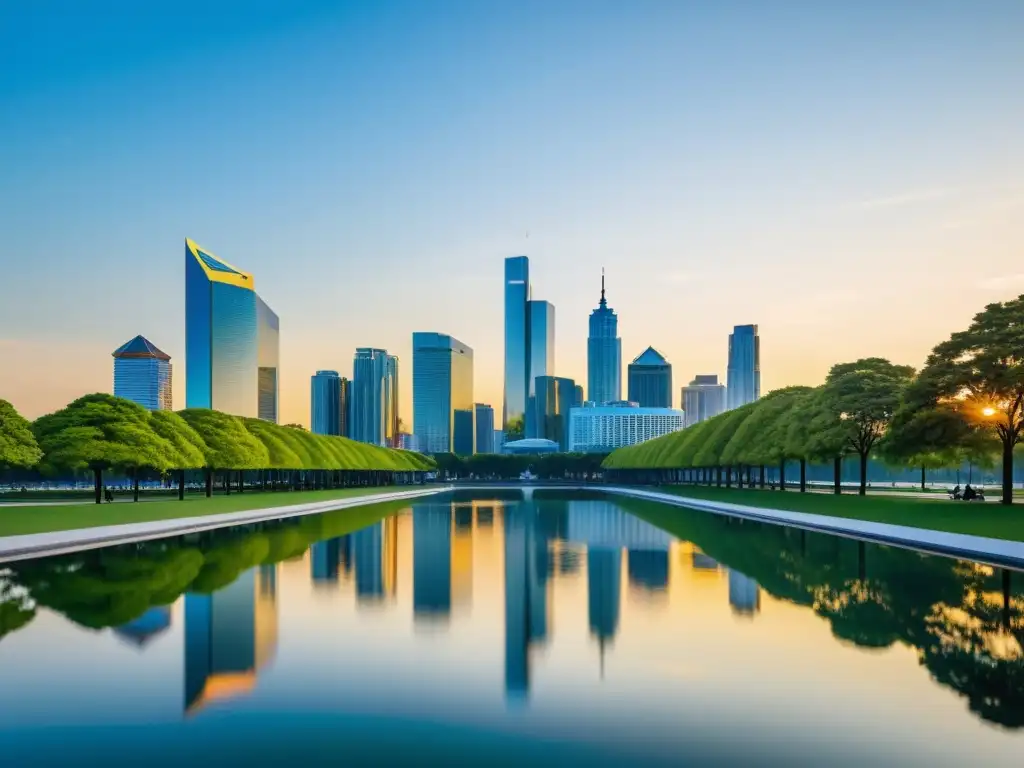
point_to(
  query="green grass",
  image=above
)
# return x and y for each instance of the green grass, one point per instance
(988, 519)
(20, 520)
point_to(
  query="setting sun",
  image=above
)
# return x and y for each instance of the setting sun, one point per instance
(988, 411)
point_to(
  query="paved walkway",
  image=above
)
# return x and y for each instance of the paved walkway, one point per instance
(61, 542)
(998, 552)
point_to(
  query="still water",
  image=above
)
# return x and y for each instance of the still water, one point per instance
(490, 628)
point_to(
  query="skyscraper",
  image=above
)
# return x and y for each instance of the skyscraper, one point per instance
(345, 406)
(326, 403)
(221, 335)
(650, 380)
(577, 401)
(268, 337)
(484, 428)
(442, 394)
(368, 390)
(517, 345)
(552, 403)
(604, 354)
(391, 401)
(142, 373)
(542, 355)
(703, 398)
(744, 382)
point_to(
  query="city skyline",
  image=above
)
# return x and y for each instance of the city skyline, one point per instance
(713, 176)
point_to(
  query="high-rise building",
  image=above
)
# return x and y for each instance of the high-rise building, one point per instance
(368, 390)
(391, 401)
(577, 401)
(442, 394)
(142, 374)
(542, 355)
(703, 398)
(345, 406)
(604, 354)
(326, 403)
(601, 429)
(517, 345)
(221, 335)
(268, 361)
(744, 381)
(552, 403)
(484, 428)
(650, 380)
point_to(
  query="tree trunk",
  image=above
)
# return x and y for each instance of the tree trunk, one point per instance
(227, 482)
(922, 478)
(803, 475)
(241, 480)
(863, 490)
(728, 477)
(181, 485)
(718, 477)
(760, 480)
(837, 475)
(135, 483)
(208, 479)
(782, 475)
(1007, 472)
(97, 476)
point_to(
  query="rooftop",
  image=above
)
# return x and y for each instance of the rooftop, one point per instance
(650, 356)
(140, 346)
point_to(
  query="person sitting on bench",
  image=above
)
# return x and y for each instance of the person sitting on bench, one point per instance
(108, 495)
(955, 493)
(969, 493)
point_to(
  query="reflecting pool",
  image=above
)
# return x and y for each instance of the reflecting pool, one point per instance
(491, 628)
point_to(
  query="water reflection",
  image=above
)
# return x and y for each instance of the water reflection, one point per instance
(600, 606)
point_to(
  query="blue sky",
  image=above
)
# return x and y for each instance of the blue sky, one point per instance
(850, 178)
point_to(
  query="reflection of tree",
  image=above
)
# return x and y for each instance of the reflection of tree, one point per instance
(16, 608)
(966, 626)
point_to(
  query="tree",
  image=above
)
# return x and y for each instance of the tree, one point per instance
(229, 445)
(101, 432)
(190, 450)
(760, 439)
(856, 404)
(977, 376)
(18, 447)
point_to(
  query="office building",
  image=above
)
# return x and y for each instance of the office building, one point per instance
(221, 335)
(604, 354)
(649, 379)
(577, 401)
(268, 361)
(484, 428)
(442, 394)
(408, 442)
(345, 405)
(391, 401)
(601, 429)
(367, 412)
(517, 345)
(552, 403)
(326, 403)
(542, 355)
(703, 398)
(142, 374)
(744, 376)
(499, 440)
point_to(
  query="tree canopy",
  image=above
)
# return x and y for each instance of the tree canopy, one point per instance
(18, 447)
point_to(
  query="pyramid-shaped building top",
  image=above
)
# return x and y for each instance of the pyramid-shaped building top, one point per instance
(650, 356)
(140, 346)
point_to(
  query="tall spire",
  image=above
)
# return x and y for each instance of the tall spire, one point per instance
(603, 301)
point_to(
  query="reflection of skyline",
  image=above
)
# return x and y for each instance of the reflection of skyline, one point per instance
(604, 578)
(432, 561)
(744, 594)
(230, 636)
(148, 626)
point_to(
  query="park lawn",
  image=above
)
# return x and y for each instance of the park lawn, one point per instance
(989, 519)
(20, 520)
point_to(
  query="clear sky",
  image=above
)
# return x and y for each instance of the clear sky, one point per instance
(848, 176)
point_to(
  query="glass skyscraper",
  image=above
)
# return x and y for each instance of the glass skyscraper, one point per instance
(391, 401)
(744, 381)
(554, 399)
(368, 393)
(268, 336)
(542, 355)
(443, 412)
(650, 380)
(142, 373)
(517, 344)
(703, 398)
(221, 335)
(327, 415)
(484, 428)
(604, 354)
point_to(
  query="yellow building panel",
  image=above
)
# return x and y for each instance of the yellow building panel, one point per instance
(230, 275)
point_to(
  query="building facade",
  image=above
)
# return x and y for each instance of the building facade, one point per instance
(744, 375)
(221, 335)
(484, 428)
(600, 429)
(142, 374)
(326, 403)
(552, 405)
(367, 412)
(268, 362)
(345, 406)
(650, 380)
(604, 354)
(542, 355)
(442, 394)
(703, 398)
(391, 401)
(517, 344)
(577, 401)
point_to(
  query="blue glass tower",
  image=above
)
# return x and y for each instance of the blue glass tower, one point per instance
(604, 354)
(484, 428)
(517, 345)
(142, 374)
(268, 337)
(325, 399)
(555, 397)
(650, 380)
(368, 412)
(542, 356)
(744, 376)
(221, 335)
(442, 394)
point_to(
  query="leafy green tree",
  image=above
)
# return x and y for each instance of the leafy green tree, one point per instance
(101, 432)
(229, 445)
(712, 450)
(18, 447)
(760, 439)
(854, 407)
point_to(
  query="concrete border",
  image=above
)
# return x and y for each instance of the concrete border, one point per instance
(1001, 553)
(32, 545)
